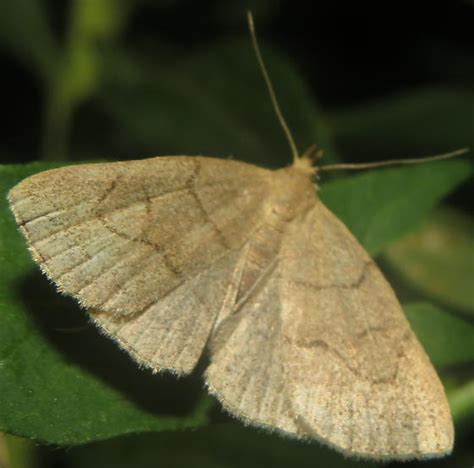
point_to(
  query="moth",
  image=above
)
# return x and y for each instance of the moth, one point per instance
(172, 256)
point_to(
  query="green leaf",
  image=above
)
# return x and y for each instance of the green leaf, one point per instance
(438, 259)
(447, 339)
(64, 383)
(381, 206)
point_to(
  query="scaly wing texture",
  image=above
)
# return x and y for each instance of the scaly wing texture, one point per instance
(149, 246)
(321, 349)
(246, 372)
(357, 377)
(307, 336)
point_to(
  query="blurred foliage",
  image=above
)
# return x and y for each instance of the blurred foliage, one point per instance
(69, 72)
(19, 452)
(126, 79)
(446, 338)
(167, 94)
(443, 243)
(389, 212)
(431, 120)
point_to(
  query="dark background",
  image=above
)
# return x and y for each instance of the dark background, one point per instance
(350, 54)
(388, 79)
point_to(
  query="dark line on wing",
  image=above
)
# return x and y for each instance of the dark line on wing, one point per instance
(177, 286)
(129, 279)
(95, 214)
(319, 343)
(108, 190)
(354, 285)
(166, 259)
(191, 184)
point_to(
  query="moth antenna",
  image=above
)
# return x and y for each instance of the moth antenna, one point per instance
(392, 162)
(271, 91)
